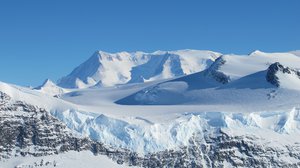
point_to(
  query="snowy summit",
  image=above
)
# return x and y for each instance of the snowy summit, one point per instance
(110, 69)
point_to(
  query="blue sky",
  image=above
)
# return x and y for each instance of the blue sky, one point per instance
(47, 39)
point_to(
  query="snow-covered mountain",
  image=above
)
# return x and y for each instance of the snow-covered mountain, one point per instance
(236, 111)
(227, 81)
(49, 87)
(110, 69)
(284, 77)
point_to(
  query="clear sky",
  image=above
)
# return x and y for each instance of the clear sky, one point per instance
(47, 39)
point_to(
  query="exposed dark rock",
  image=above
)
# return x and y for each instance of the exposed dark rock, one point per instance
(29, 130)
(277, 67)
(4, 98)
(213, 71)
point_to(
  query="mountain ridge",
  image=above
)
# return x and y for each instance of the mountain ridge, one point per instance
(110, 69)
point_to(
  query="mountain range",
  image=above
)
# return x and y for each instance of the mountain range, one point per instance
(185, 108)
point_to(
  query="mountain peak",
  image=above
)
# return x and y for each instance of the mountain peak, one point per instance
(49, 87)
(96, 55)
(256, 52)
(46, 83)
(110, 69)
(281, 76)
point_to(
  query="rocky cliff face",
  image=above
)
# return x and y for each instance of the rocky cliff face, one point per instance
(27, 130)
(30, 130)
(214, 71)
(222, 150)
(276, 68)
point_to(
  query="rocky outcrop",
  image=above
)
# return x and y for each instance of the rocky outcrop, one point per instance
(218, 150)
(214, 71)
(276, 67)
(29, 130)
(4, 99)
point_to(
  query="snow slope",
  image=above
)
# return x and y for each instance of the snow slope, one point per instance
(237, 66)
(35, 97)
(110, 69)
(49, 87)
(68, 159)
(240, 81)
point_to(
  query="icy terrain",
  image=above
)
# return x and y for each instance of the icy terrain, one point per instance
(226, 111)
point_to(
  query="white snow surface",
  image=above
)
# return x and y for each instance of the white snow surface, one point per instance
(165, 114)
(110, 69)
(72, 159)
(49, 87)
(35, 97)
